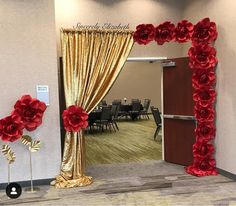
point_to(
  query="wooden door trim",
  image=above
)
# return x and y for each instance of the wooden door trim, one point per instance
(162, 119)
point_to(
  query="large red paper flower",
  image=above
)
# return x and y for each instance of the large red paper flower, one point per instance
(31, 111)
(202, 149)
(74, 118)
(204, 31)
(11, 128)
(183, 31)
(165, 32)
(204, 96)
(202, 56)
(144, 33)
(202, 167)
(204, 113)
(205, 131)
(203, 78)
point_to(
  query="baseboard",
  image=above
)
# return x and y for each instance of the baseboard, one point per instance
(227, 174)
(27, 183)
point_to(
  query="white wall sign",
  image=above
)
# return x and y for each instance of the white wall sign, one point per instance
(43, 93)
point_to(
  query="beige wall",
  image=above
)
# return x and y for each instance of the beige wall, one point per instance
(28, 58)
(89, 12)
(223, 13)
(138, 80)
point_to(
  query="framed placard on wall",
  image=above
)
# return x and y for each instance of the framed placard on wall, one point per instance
(43, 93)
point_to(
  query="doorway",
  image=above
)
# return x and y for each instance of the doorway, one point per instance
(177, 136)
(140, 79)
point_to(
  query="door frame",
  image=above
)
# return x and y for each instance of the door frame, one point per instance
(162, 117)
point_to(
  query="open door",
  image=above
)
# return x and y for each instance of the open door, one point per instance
(178, 120)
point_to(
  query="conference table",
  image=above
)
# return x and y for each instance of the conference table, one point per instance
(125, 110)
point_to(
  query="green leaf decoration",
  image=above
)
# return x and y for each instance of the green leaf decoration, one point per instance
(35, 146)
(6, 150)
(26, 140)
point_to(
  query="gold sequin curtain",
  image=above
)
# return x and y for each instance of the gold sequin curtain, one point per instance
(92, 60)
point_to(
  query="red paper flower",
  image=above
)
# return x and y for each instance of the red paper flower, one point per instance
(204, 96)
(195, 170)
(206, 164)
(202, 149)
(11, 128)
(204, 31)
(203, 78)
(165, 32)
(205, 131)
(31, 111)
(74, 118)
(183, 31)
(202, 56)
(204, 113)
(202, 167)
(144, 33)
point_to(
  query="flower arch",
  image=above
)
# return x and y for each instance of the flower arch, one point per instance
(202, 60)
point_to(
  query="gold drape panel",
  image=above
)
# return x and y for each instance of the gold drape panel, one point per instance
(92, 60)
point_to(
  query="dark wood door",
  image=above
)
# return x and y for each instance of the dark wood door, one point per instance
(178, 119)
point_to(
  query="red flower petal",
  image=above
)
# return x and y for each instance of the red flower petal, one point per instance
(183, 31)
(74, 118)
(204, 113)
(202, 149)
(31, 126)
(144, 33)
(165, 32)
(204, 96)
(204, 31)
(11, 128)
(194, 170)
(205, 131)
(202, 56)
(203, 78)
(30, 110)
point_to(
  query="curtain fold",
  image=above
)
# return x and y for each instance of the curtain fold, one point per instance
(92, 60)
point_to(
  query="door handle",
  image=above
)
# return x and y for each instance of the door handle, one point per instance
(181, 117)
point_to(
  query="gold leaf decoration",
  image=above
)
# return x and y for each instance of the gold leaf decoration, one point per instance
(6, 150)
(26, 140)
(35, 146)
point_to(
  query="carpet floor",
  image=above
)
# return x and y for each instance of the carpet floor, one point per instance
(150, 183)
(132, 143)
